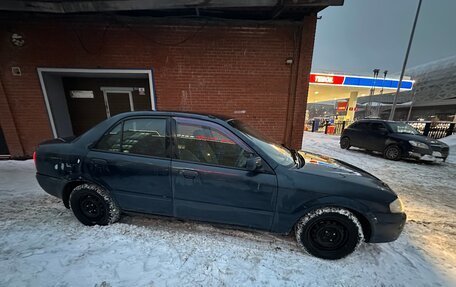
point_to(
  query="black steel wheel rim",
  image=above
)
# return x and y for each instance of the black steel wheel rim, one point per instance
(92, 207)
(328, 234)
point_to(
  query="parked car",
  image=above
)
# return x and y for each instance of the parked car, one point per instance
(219, 170)
(395, 140)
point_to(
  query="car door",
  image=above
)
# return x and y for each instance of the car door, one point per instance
(377, 136)
(132, 160)
(358, 134)
(210, 182)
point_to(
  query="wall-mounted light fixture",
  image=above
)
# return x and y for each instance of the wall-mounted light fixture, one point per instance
(17, 40)
(16, 71)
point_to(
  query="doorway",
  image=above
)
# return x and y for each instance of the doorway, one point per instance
(4, 152)
(78, 99)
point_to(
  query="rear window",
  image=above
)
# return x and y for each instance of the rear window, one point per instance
(111, 140)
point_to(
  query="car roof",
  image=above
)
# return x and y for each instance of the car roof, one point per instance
(176, 114)
(374, 121)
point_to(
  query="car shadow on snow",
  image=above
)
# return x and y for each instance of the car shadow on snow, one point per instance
(232, 234)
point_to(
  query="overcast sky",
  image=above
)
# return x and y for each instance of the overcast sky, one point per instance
(365, 34)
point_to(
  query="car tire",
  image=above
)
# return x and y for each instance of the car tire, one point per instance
(392, 152)
(92, 205)
(345, 143)
(329, 233)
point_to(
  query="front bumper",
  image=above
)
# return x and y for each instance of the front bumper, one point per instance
(386, 227)
(427, 154)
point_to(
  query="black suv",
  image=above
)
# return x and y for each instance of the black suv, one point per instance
(395, 140)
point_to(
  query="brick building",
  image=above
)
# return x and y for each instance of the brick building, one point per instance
(66, 65)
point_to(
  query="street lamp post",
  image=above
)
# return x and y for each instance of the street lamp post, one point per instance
(393, 108)
(379, 107)
(368, 112)
(384, 79)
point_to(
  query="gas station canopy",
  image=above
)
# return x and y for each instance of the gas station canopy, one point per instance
(330, 87)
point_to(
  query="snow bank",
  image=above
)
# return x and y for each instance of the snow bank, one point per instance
(42, 244)
(451, 141)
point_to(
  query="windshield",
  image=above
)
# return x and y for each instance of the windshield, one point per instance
(403, 128)
(277, 152)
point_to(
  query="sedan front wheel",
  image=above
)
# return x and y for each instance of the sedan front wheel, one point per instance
(329, 233)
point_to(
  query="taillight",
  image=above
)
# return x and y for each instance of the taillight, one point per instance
(34, 157)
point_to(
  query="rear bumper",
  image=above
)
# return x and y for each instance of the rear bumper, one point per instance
(52, 185)
(387, 227)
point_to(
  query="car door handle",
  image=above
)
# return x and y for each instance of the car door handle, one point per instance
(99, 161)
(188, 173)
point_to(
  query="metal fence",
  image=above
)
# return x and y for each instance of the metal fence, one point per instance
(436, 130)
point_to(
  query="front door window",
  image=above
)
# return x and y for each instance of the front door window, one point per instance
(203, 142)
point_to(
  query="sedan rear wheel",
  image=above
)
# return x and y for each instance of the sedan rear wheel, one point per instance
(93, 205)
(329, 233)
(392, 152)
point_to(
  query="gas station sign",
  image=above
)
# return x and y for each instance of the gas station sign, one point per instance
(342, 106)
(326, 79)
(355, 81)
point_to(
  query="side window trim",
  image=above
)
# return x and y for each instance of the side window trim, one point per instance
(121, 135)
(168, 135)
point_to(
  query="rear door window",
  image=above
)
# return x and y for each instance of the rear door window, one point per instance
(145, 136)
(363, 126)
(378, 127)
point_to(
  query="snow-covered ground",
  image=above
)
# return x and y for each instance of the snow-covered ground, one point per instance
(42, 244)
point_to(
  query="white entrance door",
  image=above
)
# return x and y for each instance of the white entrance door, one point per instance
(117, 100)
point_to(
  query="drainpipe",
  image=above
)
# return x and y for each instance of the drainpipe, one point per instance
(8, 126)
(293, 85)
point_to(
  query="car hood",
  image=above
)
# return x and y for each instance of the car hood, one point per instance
(320, 165)
(418, 138)
(330, 165)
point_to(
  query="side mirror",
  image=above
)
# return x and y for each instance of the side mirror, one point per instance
(253, 163)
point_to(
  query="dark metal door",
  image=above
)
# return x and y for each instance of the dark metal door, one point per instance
(3, 147)
(118, 102)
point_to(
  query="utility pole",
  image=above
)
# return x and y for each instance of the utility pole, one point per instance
(393, 108)
(411, 105)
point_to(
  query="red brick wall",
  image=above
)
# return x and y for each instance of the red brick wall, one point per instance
(219, 68)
